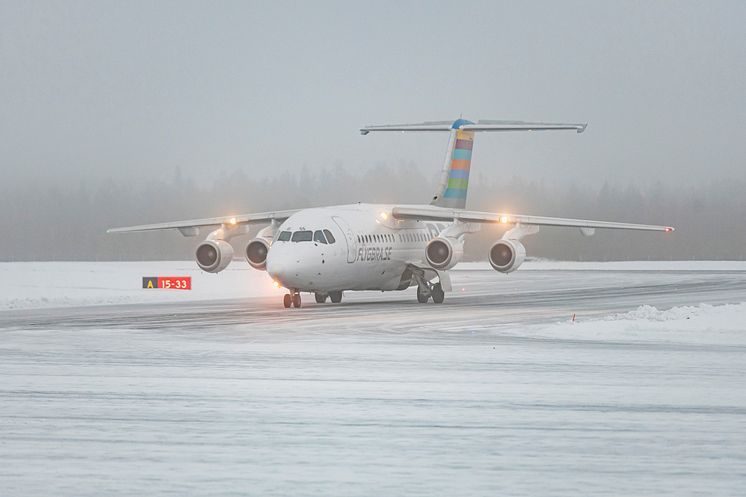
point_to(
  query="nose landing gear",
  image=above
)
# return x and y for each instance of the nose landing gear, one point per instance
(291, 299)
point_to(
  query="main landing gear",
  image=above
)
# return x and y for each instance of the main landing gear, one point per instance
(335, 297)
(291, 299)
(426, 289)
(424, 292)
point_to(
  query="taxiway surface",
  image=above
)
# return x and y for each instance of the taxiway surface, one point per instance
(380, 395)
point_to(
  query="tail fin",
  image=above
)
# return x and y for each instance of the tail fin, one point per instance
(454, 181)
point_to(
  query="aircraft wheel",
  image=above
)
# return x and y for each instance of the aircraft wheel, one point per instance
(438, 294)
(296, 300)
(287, 301)
(422, 296)
(336, 297)
(320, 297)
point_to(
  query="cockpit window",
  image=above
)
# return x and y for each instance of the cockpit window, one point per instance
(284, 236)
(318, 236)
(329, 236)
(302, 236)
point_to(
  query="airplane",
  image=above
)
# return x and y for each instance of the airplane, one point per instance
(329, 250)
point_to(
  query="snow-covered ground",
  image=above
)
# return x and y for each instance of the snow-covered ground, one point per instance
(700, 324)
(27, 285)
(495, 392)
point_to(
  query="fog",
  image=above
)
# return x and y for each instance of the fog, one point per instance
(127, 113)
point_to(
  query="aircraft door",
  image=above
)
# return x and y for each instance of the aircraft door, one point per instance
(349, 238)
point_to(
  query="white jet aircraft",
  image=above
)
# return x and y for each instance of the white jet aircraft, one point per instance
(383, 247)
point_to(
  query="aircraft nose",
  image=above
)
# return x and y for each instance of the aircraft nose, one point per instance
(278, 265)
(296, 265)
(285, 266)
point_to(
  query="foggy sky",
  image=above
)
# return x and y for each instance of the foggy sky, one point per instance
(134, 90)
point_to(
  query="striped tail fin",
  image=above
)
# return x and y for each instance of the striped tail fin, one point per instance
(454, 182)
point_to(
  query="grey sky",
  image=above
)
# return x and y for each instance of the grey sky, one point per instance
(134, 89)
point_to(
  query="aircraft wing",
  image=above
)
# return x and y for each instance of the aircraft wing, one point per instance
(191, 227)
(433, 213)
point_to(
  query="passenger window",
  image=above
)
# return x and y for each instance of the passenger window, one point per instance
(318, 236)
(329, 236)
(302, 236)
(284, 236)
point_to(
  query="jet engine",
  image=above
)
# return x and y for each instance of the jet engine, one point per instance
(256, 253)
(444, 253)
(507, 255)
(214, 255)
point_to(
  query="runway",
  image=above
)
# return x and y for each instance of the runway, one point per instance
(380, 395)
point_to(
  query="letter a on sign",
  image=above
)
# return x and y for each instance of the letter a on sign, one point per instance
(149, 282)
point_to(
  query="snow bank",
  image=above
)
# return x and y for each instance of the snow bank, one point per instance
(701, 324)
(25, 285)
(549, 265)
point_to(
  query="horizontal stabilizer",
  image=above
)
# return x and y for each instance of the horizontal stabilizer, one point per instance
(481, 125)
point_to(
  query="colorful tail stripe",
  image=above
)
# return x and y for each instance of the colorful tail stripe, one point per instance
(458, 179)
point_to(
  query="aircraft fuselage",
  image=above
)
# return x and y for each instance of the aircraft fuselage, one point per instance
(370, 250)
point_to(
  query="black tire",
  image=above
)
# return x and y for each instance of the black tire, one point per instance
(422, 297)
(438, 294)
(287, 301)
(336, 297)
(320, 297)
(296, 300)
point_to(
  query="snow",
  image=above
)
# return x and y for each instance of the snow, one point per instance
(32, 285)
(27, 285)
(699, 324)
(550, 265)
(494, 392)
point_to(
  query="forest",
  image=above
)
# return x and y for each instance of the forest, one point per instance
(44, 221)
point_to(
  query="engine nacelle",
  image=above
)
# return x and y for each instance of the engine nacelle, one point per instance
(214, 255)
(507, 255)
(256, 253)
(444, 253)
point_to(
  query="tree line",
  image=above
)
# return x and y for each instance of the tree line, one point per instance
(50, 222)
